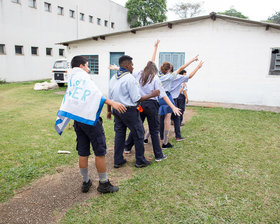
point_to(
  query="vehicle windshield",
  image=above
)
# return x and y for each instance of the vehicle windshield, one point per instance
(60, 64)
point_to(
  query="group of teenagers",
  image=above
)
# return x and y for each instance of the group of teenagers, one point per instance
(156, 94)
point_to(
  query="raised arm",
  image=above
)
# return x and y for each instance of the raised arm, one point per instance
(114, 67)
(186, 95)
(175, 110)
(183, 87)
(155, 51)
(187, 64)
(196, 69)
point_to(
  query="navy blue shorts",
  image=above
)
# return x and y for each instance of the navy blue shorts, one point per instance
(87, 134)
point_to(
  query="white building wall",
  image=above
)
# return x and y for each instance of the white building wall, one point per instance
(26, 26)
(237, 58)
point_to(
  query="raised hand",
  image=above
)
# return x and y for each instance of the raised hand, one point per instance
(195, 58)
(113, 67)
(156, 43)
(155, 51)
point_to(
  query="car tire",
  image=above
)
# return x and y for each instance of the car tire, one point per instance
(60, 84)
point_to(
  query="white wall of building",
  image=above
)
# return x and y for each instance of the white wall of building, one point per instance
(237, 58)
(26, 26)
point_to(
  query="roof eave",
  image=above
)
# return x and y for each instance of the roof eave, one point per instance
(212, 16)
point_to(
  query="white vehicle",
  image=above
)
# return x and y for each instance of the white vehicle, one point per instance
(60, 71)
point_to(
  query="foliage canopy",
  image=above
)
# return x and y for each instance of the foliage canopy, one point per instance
(233, 12)
(145, 12)
(275, 18)
(187, 10)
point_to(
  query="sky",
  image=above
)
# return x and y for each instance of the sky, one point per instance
(255, 9)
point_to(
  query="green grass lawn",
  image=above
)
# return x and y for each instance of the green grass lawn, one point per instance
(29, 142)
(227, 171)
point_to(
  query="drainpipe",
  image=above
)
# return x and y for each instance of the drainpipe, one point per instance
(77, 22)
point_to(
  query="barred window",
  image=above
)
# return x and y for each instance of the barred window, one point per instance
(34, 50)
(93, 63)
(275, 62)
(61, 52)
(47, 7)
(49, 51)
(90, 19)
(82, 16)
(59, 10)
(32, 3)
(72, 13)
(19, 49)
(2, 48)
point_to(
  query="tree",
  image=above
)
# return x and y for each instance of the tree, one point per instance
(233, 12)
(145, 12)
(186, 10)
(274, 18)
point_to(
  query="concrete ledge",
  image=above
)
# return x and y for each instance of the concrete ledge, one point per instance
(235, 106)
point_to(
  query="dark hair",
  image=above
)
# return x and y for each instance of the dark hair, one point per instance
(78, 60)
(149, 73)
(172, 68)
(124, 59)
(165, 67)
(182, 72)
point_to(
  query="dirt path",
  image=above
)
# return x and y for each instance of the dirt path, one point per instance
(48, 198)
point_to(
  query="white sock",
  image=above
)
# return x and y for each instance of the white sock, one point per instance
(84, 173)
(165, 137)
(103, 177)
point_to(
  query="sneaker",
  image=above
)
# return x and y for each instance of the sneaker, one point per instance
(127, 151)
(168, 145)
(162, 158)
(107, 187)
(180, 139)
(146, 141)
(86, 186)
(147, 163)
(119, 165)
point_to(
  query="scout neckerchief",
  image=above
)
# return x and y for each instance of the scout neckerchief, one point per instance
(122, 72)
(160, 74)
